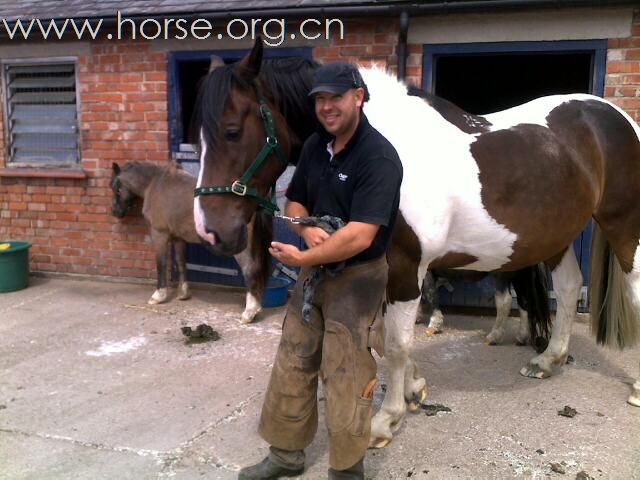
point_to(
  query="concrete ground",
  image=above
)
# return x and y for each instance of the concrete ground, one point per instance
(96, 384)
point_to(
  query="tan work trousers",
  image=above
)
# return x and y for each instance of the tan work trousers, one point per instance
(334, 344)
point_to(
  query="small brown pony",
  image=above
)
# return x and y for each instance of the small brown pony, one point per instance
(168, 207)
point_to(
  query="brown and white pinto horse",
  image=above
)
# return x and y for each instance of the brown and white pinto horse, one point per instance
(488, 193)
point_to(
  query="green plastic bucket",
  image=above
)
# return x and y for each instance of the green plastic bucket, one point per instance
(14, 265)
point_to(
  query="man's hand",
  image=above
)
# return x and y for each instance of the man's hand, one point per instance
(286, 253)
(313, 236)
(346, 242)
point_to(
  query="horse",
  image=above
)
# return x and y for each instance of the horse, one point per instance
(167, 193)
(531, 288)
(490, 193)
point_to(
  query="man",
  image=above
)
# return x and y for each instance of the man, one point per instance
(348, 170)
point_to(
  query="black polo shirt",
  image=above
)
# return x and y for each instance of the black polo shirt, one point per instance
(361, 183)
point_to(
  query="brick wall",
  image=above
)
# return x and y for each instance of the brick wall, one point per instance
(123, 105)
(373, 42)
(123, 116)
(622, 83)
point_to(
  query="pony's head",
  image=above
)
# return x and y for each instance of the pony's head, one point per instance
(244, 143)
(123, 197)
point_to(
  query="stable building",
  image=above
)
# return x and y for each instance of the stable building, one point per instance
(88, 83)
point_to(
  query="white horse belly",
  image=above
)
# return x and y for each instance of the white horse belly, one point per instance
(440, 193)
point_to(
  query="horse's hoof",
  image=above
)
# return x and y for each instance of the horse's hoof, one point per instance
(494, 337)
(534, 371)
(634, 399)
(418, 399)
(159, 296)
(246, 319)
(431, 331)
(379, 442)
(183, 291)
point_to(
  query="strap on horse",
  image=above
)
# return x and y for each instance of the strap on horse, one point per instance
(241, 187)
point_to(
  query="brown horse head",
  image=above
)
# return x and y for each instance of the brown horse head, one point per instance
(130, 182)
(123, 196)
(232, 134)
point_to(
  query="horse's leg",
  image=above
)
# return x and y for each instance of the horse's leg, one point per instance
(430, 305)
(399, 322)
(503, 308)
(183, 286)
(524, 334)
(633, 289)
(415, 386)
(251, 274)
(567, 280)
(161, 244)
(633, 284)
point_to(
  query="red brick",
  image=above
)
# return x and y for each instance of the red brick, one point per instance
(354, 51)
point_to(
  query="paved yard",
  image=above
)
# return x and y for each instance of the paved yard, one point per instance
(96, 384)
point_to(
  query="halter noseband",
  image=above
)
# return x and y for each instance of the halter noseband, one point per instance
(240, 187)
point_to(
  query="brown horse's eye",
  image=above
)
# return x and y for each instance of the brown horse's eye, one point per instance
(232, 135)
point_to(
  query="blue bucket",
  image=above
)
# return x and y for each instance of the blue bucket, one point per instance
(275, 295)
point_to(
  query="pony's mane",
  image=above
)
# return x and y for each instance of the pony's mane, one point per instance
(285, 81)
(136, 175)
(146, 169)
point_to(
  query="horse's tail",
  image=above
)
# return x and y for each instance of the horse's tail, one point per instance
(261, 237)
(532, 290)
(614, 319)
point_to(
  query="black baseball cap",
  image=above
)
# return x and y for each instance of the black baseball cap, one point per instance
(336, 78)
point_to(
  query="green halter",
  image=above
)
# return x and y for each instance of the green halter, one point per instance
(240, 187)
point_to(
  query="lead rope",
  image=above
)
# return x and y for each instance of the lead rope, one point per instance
(329, 224)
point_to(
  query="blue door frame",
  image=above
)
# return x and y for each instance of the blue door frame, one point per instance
(481, 294)
(202, 266)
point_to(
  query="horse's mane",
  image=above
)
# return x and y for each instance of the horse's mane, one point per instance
(137, 174)
(285, 81)
(145, 169)
(150, 169)
(451, 112)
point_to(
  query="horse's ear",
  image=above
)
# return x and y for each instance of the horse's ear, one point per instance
(249, 66)
(214, 62)
(116, 168)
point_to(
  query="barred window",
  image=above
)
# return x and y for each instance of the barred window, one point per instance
(41, 120)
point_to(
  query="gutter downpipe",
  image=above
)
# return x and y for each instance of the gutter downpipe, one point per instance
(401, 50)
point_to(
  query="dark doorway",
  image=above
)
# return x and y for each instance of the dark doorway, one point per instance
(190, 75)
(483, 78)
(486, 83)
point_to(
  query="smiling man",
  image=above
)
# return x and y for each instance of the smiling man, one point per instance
(348, 170)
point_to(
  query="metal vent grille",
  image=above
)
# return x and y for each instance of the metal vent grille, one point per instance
(41, 113)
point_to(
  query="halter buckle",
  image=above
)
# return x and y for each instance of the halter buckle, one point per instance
(271, 141)
(264, 110)
(239, 188)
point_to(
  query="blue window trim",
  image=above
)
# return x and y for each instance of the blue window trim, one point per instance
(596, 47)
(174, 87)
